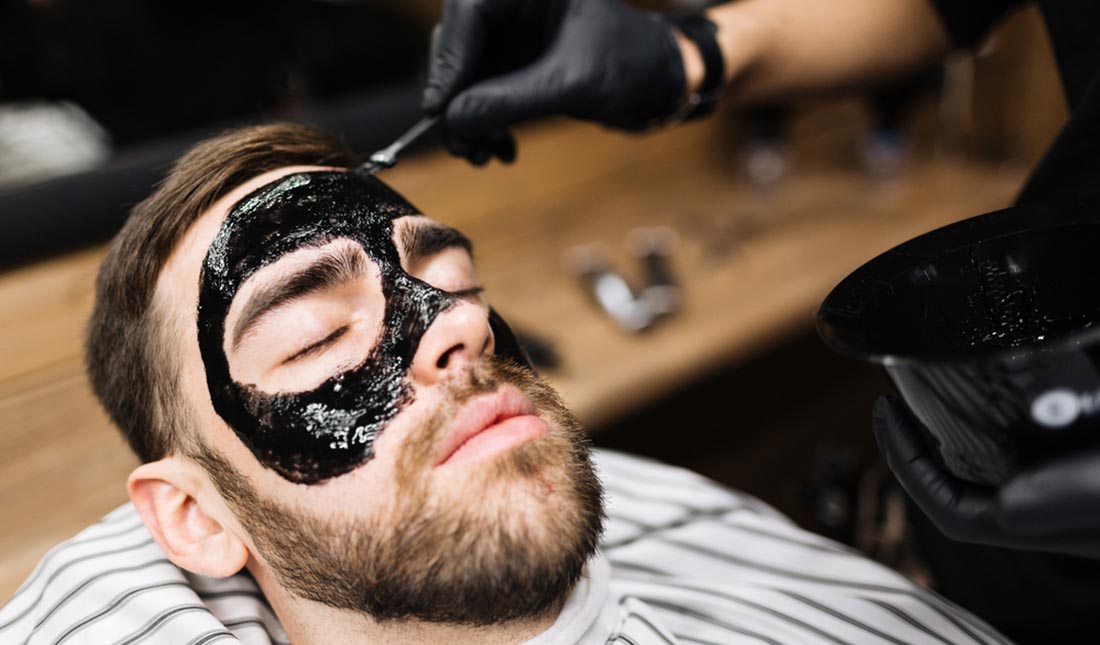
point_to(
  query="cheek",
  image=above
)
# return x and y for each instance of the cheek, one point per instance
(276, 338)
(371, 490)
(260, 362)
(363, 497)
(306, 375)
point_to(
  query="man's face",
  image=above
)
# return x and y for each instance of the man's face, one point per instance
(439, 483)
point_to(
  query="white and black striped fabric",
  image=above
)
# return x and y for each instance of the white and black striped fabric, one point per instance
(683, 561)
(708, 565)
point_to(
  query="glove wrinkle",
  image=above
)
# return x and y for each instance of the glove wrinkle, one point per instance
(495, 63)
(1054, 506)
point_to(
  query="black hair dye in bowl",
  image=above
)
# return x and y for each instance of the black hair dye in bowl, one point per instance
(986, 327)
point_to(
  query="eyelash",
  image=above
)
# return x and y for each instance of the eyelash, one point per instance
(310, 349)
(466, 293)
(335, 335)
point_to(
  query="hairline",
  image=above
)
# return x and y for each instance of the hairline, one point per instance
(167, 324)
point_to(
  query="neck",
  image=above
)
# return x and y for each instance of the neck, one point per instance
(312, 623)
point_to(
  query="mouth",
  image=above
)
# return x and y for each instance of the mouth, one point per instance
(489, 425)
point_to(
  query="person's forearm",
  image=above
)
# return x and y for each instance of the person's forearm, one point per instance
(775, 48)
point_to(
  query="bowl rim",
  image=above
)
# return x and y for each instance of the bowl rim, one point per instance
(838, 317)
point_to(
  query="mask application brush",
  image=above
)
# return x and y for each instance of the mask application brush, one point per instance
(387, 157)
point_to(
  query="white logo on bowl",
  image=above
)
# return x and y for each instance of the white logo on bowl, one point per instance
(1057, 408)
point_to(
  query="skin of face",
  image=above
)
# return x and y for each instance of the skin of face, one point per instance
(267, 246)
(537, 487)
(462, 333)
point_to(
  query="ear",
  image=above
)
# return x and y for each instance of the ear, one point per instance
(166, 494)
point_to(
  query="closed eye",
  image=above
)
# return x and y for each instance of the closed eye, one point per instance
(466, 293)
(313, 348)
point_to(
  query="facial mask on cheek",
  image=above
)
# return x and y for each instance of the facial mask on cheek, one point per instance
(311, 436)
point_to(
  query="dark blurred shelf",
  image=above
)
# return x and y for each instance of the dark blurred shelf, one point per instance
(44, 219)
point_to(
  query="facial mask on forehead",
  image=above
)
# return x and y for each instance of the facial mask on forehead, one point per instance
(311, 436)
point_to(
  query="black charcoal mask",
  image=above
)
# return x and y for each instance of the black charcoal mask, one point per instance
(308, 437)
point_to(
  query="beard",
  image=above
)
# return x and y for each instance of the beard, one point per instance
(509, 543)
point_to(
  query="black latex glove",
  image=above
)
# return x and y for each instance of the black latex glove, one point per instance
(495, 63)
(1054, 506)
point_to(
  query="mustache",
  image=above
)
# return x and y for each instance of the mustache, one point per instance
(484, 376)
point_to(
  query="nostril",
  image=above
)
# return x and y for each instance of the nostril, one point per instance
(445, 358)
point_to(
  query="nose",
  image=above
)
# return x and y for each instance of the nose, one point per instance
(456, 338)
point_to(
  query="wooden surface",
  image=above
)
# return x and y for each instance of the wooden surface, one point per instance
(754, 266)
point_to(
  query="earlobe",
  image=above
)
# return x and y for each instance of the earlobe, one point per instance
(165, 493)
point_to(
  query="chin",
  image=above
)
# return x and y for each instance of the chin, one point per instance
(533, 484)
(535, 461)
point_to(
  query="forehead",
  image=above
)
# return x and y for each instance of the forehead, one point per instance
(178, 283)
(180, 273)
(298, 211)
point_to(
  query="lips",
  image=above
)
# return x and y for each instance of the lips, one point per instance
(490, 424)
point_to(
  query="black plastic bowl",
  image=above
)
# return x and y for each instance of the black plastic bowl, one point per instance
(986, 327)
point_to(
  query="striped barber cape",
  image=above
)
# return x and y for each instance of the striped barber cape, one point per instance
(683, 560)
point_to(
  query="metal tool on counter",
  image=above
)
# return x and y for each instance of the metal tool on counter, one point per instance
(609, 288)
(632, 309)
(652, 246)
(387, 157)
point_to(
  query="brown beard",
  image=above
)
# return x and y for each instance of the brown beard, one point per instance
(511, 544)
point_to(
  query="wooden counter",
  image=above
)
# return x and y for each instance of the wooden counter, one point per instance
(754, 266)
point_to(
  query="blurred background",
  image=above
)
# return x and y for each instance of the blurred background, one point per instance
(740, 223)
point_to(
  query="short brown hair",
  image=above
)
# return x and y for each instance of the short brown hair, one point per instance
(127, 355)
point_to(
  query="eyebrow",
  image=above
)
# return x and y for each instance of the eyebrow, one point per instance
(333, 268)
(425, 240)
